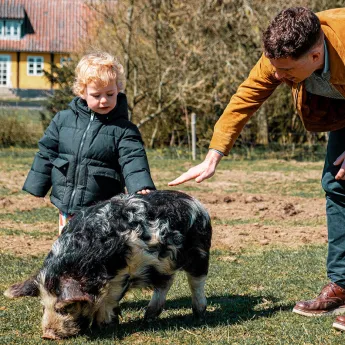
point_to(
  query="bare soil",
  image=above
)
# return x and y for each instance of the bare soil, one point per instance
(239, 220)
(279, 220)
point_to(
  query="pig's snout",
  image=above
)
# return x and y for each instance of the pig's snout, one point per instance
(50, 335)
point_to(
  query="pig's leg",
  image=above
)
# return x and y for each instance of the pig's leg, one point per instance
(109, 304)
(157, 302)
(199, 302)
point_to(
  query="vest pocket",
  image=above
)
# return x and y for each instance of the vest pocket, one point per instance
(102, 184)
(59, 177)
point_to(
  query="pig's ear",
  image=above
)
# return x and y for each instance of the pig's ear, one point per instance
(28, 288)
(71, 291)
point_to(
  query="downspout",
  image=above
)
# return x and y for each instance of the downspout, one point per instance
(51, 70)
(18, 72)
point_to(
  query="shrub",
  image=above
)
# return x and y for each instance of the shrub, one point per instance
(16, 131)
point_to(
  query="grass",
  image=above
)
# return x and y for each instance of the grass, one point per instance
(270, 222)
(42, 214)
(32, 234)
(249, 302)
(250, 292)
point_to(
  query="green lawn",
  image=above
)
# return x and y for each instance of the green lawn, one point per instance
(250, 291)
(249, 302)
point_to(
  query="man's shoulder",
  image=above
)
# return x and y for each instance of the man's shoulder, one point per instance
(333, 17)
(332, 12)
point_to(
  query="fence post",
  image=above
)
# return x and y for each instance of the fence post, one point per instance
(193, 124)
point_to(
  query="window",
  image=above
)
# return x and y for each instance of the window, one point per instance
(35, 65)
(65, 60)
(10, 29)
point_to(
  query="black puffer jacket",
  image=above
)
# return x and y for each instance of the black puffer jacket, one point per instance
(86, 157)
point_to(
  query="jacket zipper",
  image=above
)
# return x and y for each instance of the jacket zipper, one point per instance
(77, 170)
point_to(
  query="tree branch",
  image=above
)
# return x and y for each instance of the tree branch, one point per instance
(157, 113)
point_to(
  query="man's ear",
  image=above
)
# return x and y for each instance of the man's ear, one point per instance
(316, 56)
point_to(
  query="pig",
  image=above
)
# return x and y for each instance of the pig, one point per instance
(129, 241)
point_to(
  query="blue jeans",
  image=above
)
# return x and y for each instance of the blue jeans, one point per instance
(335, 209)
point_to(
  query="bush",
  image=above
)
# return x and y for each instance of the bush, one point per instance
(18, 131)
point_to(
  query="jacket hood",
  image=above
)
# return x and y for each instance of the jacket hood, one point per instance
(78, 105)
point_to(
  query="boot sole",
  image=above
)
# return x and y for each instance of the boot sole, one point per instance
(339, 326)
(337, 311)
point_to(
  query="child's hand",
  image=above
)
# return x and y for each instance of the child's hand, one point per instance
(144, 191)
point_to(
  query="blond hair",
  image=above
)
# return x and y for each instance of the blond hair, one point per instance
(100, 68)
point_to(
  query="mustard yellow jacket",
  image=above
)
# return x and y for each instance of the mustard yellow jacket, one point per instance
(261, 83)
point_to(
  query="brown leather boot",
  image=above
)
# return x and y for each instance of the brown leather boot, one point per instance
(331, 301)
(339, 323)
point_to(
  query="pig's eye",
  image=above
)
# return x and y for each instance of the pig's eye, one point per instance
(65, 310)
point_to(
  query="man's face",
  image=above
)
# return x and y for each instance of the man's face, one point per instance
(296, 70)
(101, 99)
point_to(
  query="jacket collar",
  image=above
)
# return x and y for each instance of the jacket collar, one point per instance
(78, 105)
(336, 53)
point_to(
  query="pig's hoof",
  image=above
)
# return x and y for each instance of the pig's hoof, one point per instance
(117, 316)
(199, 316)
(152, 314)
(115, 321)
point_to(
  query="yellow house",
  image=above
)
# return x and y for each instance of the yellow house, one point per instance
(34, 34)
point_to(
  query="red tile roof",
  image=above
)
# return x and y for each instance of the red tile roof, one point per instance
(58, 26)
(13, 11)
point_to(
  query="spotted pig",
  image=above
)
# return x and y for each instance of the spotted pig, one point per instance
(129, 241)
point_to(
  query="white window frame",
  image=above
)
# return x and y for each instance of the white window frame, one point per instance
(37, 64)
(10, 29)
(7, 58)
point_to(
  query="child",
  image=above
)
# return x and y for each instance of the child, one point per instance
(91, 151)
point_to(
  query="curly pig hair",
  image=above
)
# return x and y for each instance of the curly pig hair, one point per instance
(292, 33)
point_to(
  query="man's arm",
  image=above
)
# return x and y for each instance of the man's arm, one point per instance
(244, 103)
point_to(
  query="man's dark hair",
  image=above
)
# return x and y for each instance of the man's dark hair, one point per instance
(292, 33)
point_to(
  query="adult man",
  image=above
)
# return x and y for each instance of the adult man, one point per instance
(307, 52)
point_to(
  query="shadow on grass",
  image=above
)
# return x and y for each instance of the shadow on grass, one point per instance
(222, 311)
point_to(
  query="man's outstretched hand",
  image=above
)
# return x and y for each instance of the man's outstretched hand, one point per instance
(200, 172)
(340, 161)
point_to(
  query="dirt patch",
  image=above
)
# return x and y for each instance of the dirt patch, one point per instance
(239, 219)
(22, 202)
(13, 180)
(265, 207)
(24, 245)
(272, 220)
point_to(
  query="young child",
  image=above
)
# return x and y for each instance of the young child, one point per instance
(91, 151)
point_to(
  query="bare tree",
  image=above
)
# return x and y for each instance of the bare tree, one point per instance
(190, 56)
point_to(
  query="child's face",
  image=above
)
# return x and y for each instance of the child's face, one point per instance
(101, 99)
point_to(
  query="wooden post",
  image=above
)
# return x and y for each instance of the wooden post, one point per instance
(193, 124)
